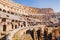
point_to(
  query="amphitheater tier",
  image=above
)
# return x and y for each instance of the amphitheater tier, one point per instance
(22, 9)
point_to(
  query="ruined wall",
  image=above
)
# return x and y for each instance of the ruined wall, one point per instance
(21, 9)
(14, 15)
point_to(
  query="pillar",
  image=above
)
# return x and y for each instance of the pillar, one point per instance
(53, 35)
(26, 23)
(38, 33)
(56, 34)
(35, 35)
(41, 34)
(45, 33)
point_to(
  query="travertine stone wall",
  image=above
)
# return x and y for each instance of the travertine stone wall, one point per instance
(18, 8)
(14, 15)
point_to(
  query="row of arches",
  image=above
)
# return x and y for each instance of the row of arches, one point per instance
(5, 27)
(3, 10)
(46, 35)
(12, 26)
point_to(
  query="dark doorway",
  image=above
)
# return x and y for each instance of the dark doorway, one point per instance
(18, 24)
(12, 26)
(32, 33)
(0, 9)
(4, 10)
(21, 25)
(15, 26)
(3, 19)
(38, 34)
(4, 27)
(24, 24)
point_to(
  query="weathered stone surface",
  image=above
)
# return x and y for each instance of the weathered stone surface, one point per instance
(13, 16)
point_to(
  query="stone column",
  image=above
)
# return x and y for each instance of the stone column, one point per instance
(56, 34)
(41, 37)
(53, 35)
(45, 33)
(26, 23)
(41, 34)
(35, 35)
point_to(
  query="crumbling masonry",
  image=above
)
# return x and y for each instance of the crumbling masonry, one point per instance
(14, 15)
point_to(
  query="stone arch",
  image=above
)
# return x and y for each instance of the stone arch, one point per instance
(3, 19)
(8, 11)
(27, 31)
(45, 33)
(12, 26)
(15, 26)
(18, 24)
(38, 34)
(31, 32)
(12, 13)
(21, 25)
(16, 21)
(4, 10)
(4, 27)
(24, 24)
(7, 15)
(0, 9)
(12, 20)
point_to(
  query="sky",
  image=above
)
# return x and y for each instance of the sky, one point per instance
(55, 4)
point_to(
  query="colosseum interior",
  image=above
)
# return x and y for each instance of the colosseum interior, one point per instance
(20, 22)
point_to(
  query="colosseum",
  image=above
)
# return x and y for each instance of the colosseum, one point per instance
(20, 22)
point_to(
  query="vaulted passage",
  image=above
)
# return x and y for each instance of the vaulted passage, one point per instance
(0, 9)
(4, 10)
(4, 27)
(12, 26)
(24, 24)
(15, 26)
(3, 19)
(31, 32)
(45, 34)
(38, 34)
(21, 25)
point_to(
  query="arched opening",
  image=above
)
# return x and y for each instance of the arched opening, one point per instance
(21, 25)
(8, 12)
(12, 26)
(18, 24)
(45, 33)
(24, 24)
(3, 19)
(27, 31)
(8, 23)
(4, 10)
(16, 21)
(12, 20)
(7, 15)
(38, 34)
(32, 34)
(4, 27)
(0, 9)
(15, 26)
(12, 13)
